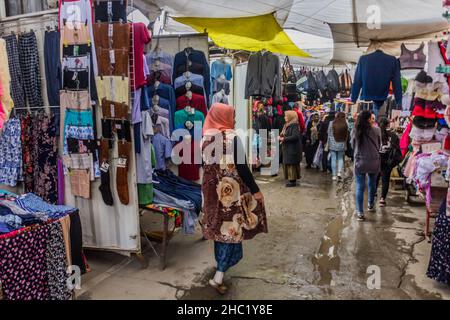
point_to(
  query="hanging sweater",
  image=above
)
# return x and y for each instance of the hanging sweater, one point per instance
(373, 76)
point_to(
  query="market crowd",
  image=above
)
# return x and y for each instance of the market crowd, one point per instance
(329, 140)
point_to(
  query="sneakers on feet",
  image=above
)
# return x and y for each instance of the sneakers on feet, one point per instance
(371, 207)
(360, 216)
(382, 202)
(334, 178)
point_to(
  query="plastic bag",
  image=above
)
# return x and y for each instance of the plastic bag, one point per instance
(318, 156)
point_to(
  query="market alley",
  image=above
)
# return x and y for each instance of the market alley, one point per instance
(315, 249)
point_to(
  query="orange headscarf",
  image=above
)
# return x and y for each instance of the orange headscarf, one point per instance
(220, 117)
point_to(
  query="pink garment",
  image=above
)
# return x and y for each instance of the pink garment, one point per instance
(404, 141)
(2, 111)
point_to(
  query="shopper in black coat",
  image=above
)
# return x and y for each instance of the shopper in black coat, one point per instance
(291, 141)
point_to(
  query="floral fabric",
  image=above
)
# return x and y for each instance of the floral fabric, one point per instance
(45, 158)
(439, 268)
(55, 256)
(27, 143)
(11, 153)
(230, 212)
(23, 265)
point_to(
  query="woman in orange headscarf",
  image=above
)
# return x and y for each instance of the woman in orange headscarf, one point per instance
(233, 205)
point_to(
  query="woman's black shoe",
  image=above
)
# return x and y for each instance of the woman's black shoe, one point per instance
(291, 184)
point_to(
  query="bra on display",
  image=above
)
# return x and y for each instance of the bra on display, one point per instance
(412, 59)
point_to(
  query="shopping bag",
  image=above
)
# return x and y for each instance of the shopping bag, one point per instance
(318, 156)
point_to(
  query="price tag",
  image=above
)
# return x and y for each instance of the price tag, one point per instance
(75, 76)
(110, 8)
(122, 163)
(76, 50)
(110, 30)
(112, 56)
(118, 126)
(105, 167)
(113, 111)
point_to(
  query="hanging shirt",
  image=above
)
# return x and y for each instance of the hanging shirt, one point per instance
(437, 56)
(187, 58)
(221, 84)
(161, 56)
(163, 150)
(144, 170)
(197, 102)
(373, 76)
(141, 38)
(164, 91)
(193, 79)
(220, 97)
(219, 68)
(186, 120)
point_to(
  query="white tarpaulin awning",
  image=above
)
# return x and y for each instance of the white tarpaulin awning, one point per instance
(351, 24)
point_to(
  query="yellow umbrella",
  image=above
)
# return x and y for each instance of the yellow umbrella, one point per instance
(248, 33)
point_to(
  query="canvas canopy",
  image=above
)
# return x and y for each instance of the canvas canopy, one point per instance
(347, 27)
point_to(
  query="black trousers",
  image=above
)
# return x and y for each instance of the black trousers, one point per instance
(385, 177)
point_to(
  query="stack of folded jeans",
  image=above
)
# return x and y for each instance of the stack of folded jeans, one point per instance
(167, 182)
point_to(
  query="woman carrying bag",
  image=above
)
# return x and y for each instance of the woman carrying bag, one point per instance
(366, 141)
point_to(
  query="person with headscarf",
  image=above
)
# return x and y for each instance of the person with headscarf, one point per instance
(291, 145)
(233, 205)
(312, 139)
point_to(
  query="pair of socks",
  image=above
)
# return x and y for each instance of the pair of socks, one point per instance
(122, 171)
(105, 186)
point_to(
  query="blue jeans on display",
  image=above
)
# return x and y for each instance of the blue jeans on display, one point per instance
(360, 188)
(337, 162)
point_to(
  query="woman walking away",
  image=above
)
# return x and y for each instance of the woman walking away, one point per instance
(291, 146)
(312, 139)
(233, 205)
(366, 141)
(337, 144)
(391, 156)
(323, 137)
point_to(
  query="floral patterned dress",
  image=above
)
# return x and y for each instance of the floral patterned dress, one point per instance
(230, 212)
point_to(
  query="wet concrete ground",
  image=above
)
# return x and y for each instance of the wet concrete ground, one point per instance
(315, 249)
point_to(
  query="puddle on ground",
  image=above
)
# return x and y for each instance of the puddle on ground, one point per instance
(326, 259)
(405, 219)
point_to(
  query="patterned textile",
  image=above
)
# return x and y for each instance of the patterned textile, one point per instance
(17, 91)
(56, 264)
(439, 266)
(230, 212)
(81, 133)
(77, 132)
(32, 203)
(29, 65)
(11, 153)
(45, 158)
(27, 142)
(227, 255)
(23, 265)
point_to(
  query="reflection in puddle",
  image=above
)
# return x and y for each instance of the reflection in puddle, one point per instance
(326, 259)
